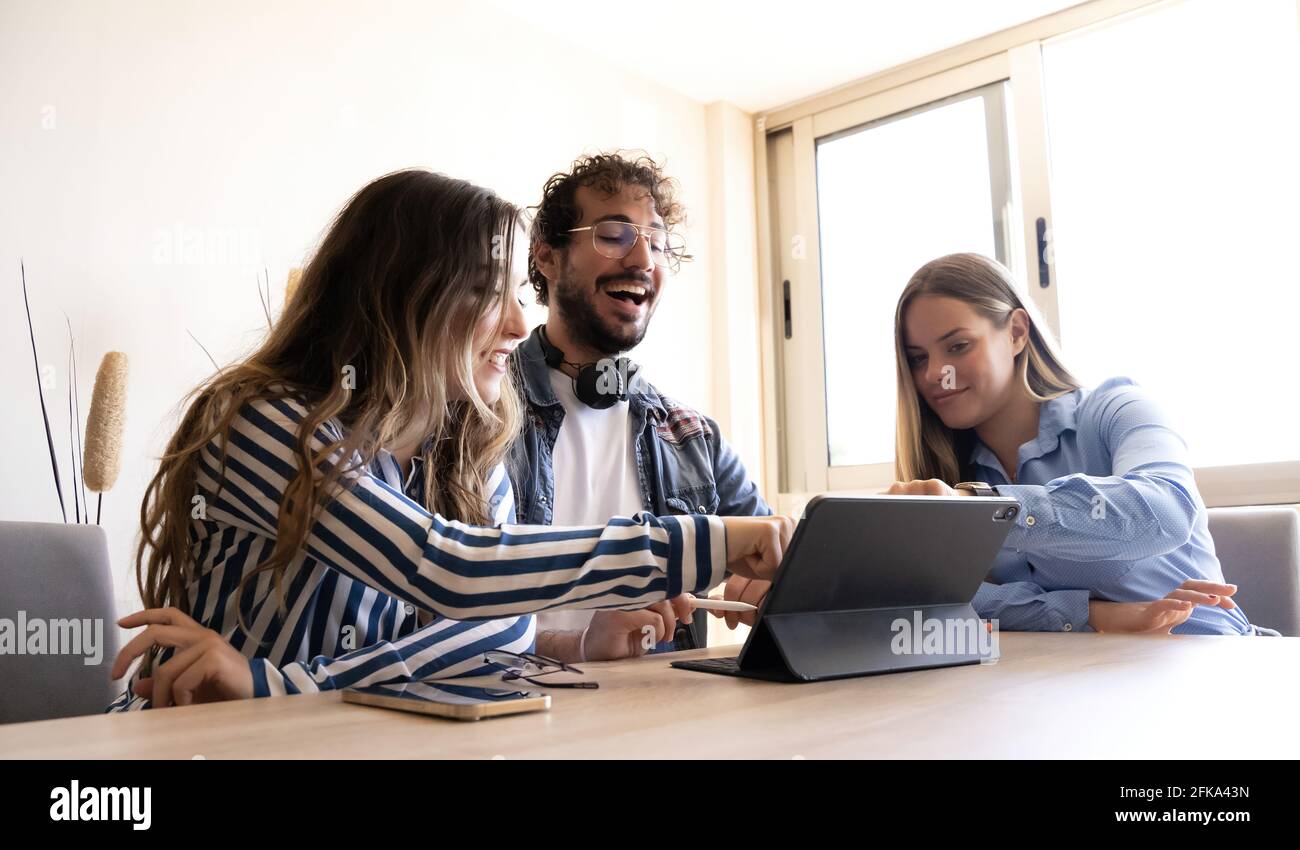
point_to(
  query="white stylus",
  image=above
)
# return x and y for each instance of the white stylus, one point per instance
(720, 604)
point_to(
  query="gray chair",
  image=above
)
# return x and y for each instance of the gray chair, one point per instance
(55, 577)
(1259, 549)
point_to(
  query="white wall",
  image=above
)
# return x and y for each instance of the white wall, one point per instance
(737, 376)
(127, 128)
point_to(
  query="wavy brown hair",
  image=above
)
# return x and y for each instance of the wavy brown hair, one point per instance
(395, 291)
(924, 446)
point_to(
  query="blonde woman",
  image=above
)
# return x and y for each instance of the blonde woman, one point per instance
(330, 511)
(1111, 535)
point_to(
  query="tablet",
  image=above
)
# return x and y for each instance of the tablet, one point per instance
(858, 567)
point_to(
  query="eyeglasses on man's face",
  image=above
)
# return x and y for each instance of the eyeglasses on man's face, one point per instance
(616, 239)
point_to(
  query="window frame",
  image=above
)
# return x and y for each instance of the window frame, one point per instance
(795, 434)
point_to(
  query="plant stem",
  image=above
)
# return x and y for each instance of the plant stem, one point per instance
(49, 437)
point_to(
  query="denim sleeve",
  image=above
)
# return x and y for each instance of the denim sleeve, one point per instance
(1146, 507)
(1022, 606)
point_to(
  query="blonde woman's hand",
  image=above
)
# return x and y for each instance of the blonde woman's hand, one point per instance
(926, 487)
(1162, 615)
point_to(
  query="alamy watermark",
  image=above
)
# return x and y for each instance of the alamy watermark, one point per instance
(947, 636)
(58, 636)
(94, 803)
(181, 245)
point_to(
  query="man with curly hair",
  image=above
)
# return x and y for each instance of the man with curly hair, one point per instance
(599, 439)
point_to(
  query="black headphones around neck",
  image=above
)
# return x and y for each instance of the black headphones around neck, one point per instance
(599, 385)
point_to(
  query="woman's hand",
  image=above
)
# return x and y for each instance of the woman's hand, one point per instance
(755, 544)
(741, 589)
(204, 668)
(1162, 615)
(624, 634)
(926, 487)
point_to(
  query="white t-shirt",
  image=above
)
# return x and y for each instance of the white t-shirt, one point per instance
(594, 462)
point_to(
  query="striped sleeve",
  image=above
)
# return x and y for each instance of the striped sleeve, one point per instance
(375, 534)
(440, 650)
(127, 700)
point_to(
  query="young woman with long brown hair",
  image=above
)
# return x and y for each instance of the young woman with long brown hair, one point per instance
(333, 510)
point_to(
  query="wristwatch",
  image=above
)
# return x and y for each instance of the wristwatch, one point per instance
(978, 488)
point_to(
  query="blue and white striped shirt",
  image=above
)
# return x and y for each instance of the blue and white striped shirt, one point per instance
(1109, 510)
(374, 554)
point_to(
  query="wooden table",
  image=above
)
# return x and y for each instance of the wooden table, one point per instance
(1051, 695)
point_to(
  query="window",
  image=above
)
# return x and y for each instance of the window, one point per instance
(1175, 189)
(891, 196)
(1151, 144)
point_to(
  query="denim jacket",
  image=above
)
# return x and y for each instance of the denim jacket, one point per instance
(683, 464)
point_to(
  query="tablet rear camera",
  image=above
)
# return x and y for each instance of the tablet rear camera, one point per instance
(1005, 514)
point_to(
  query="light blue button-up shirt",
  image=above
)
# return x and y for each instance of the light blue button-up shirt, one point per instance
(1109, 510)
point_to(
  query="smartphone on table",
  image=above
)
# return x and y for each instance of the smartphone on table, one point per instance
(442, 699)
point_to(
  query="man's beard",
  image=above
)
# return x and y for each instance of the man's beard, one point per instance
(585, 324)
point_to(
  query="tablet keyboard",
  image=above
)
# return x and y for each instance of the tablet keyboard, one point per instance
(722, 665)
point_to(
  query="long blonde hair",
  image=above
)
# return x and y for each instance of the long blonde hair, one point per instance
(924, 446)
(395, 292)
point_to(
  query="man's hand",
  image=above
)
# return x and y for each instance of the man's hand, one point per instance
(741, 589)
(628, 634)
